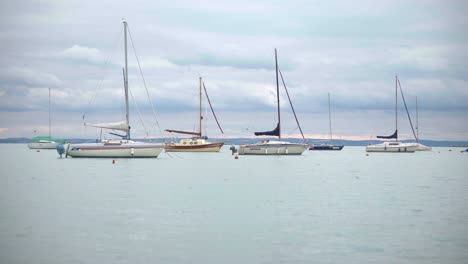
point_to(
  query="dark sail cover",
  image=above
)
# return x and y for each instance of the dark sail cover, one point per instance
(395, 135)
(274, 132)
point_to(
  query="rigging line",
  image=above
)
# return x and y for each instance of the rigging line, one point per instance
(407, 112)
(144, 82)
(101, 81)
(139, 113)
(212, 110)
(290, 102)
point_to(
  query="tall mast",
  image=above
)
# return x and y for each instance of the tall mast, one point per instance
(277, 96)
(417, 121)
(126, 82)
(201, 117)
(49, 115)
(329, 117)
(396, 106)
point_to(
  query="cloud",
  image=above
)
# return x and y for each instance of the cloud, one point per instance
(82, 54)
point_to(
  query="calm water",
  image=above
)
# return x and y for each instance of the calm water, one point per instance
(323, 207)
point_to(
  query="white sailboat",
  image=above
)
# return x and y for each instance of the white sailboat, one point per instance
(198, 143)
(120, 148)
(273, 147)
(420, 147)
(393, 146)
(45, 142)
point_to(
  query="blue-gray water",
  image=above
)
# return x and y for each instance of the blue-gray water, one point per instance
(322, 207)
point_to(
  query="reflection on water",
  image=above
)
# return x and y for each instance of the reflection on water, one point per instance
(322, 207)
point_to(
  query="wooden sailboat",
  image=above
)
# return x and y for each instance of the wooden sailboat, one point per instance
(198, 143)
(116, 148)
(273, 147)
(327, 146)
(393, 146)
(45, 142)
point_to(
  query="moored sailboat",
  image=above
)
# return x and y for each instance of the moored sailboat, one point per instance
(45, 142)
(198, 143)
(273, 147)
(116, 148)
(393, 146)
(328, 146)
(420, 147)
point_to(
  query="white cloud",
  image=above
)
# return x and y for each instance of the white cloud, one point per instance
(81, 53)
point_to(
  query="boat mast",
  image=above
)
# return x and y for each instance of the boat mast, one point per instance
(277, 97)
(201, 117)
(396, 106)
(49, 116)
(329, 117)
(417, 121)
(126, 82)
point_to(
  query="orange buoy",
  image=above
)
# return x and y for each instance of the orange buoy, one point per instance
(236, 157)
(113, 161)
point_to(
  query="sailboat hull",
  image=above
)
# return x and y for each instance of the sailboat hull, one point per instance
(42, 145)
(207, 147)
(392, 147)
(421, 147)
(325, 147)
(273, 148)
(124, 149)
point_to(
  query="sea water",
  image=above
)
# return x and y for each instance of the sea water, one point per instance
(321, 207)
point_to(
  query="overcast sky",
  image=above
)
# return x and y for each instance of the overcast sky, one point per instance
(350, 49)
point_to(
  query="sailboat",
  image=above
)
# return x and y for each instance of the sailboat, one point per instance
(327, 146)
(45, 142)
(420, 147)
(393, 146)
(116, 148)
(273, 147)
(198, 143)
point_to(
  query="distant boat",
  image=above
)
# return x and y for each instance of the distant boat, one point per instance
(393, 146)
(273, 147)
(327, 146)
(45, 142)
(420, 147)
(199, 143)
(116, 148)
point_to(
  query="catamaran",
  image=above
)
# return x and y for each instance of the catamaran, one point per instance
(274, 147)
(116, 148)
(45, 142)
(393, 146)
(198, 143)
(327, 146)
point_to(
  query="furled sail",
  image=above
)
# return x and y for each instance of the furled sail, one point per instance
(115, 126)
(395, 135)
(275, 132)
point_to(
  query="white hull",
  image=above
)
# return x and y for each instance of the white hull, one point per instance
(42, 145)
(421, 147)
(393, 147)
(115, 149)
(273, 148)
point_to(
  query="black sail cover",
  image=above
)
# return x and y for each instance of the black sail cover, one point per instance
(395, 135)
(274, 132)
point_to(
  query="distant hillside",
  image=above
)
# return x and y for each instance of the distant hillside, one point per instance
(237, 141)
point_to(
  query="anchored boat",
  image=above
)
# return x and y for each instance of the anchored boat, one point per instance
(275, 147)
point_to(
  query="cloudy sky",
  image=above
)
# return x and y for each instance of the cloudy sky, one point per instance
(350, 49)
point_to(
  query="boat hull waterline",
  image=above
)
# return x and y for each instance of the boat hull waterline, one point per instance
(282, 148)
(124, 150)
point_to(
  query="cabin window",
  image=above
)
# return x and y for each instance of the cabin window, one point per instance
(191, 143)
(185, 143)
(195, 143)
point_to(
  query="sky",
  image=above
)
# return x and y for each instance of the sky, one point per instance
(350, 49)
